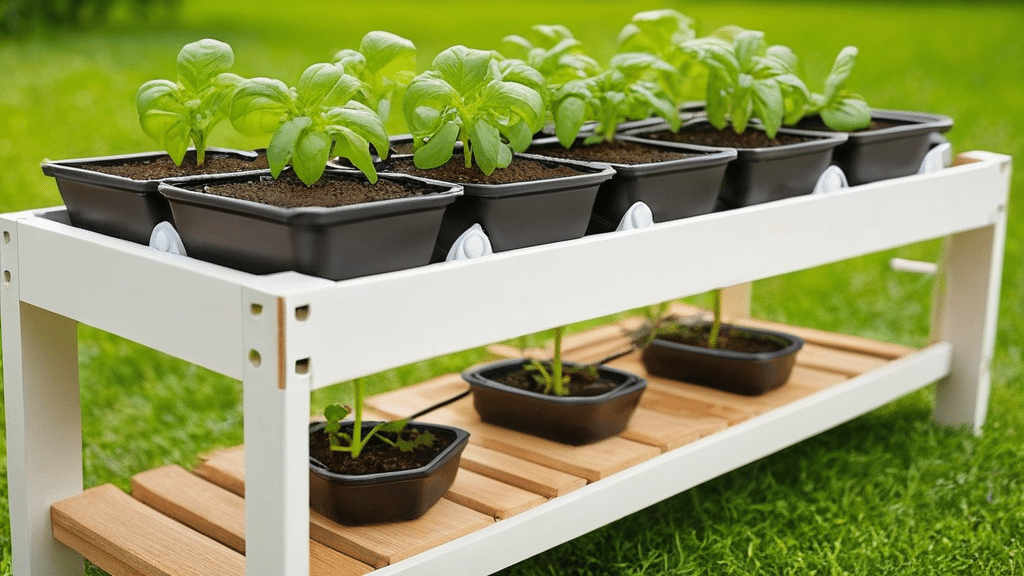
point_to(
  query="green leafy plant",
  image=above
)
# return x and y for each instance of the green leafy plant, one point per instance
(466, 98)
(749, 79)
(384, 64)
(838, 107)
(668, 35)
(177, 113)
(554, 376)
(552, 50)
(355, 442)
(620, 92)
(310, 121)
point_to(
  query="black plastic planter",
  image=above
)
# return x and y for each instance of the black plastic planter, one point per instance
(889, 152)
(572, 420)
(387, 496)
(672, 189)
(760, 175)
(750, 374)
(521, 214)
(115, 205)
(335, 243)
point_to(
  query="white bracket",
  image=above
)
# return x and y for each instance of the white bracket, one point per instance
(165, 238)
(473, 243)
(833, 179)
(637, 216)
(937, 158)
(913, 266)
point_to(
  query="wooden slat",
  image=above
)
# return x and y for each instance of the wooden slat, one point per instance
(665, 396)
(384, 544)
(845, 342)
(222, 468)
(125, 537)
(491, 497)
(411, 399)
(838, 361)
(535, 478)
(667, 431)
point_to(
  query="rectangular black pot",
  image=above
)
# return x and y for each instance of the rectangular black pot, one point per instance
(759, 175)
(889, 152)
(335, 243)
(387, 496)
(571, 420)
(674, 189)
(115, 205)
(750, 374)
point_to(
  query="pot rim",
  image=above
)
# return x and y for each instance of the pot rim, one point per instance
(795, 344)
(311, 215)
(631, 382)
(453, 449)
(707, 156)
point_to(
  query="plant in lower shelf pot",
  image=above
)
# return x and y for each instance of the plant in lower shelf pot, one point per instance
(732, 358)
(373, 472)
(562, 401)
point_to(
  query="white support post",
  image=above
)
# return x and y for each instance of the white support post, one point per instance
(276, 388)
(736, 301)
(968, 315)
(44, 422)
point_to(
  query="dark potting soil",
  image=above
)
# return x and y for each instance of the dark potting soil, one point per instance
(287, 191)
(616, 152)
(710, 136)
(816, 123)
(582, 382)
(164, 167)
(377, 456)
(521, 170)
(729, 338)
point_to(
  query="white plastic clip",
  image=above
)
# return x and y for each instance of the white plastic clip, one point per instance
(165, 238)
(638, 216)
(937, 158)
(473, 243)
(833, 179)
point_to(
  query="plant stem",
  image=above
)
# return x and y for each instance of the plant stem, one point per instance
(357, 425)
(556, 363)
(199, 141)
(716, 326)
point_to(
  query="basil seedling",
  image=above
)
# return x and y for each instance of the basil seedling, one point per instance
(838, 107)
(355, 442)
(466, 99)
(177, 113)
(309, 121)
(384, 64)
(669, 35)
(551, 50)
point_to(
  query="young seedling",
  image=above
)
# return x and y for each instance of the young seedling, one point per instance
(466, 98)
(668, 35)
(556, 380)
(748, 79)
(551, 50)
(838, 107)
(384, 64)
(175, 114)
(310, 121)
(355, 442)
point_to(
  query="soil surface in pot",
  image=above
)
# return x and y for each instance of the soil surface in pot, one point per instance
(164, 167)
(287, 191)
(582, 381)
(816, 123)
(729, 338)
(520, 170)
(710, 136)
(377, 456)
(616, 152)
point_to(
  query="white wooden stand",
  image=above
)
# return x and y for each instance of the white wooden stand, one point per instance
(281, 336)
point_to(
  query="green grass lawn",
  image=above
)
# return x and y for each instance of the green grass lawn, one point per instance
(888, 493)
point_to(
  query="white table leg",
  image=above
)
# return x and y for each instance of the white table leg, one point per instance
(967, 319)
(276, 404)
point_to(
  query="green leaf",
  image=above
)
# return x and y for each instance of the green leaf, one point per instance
(519, 135)
(569, 118)
(515, 46)
(199, 62)
(260, 105)
(847, 114)
(310, 157)
(336, 413)
(427, 91)
(748, 45)
(841, 70)
(438, 150)
(768, 105)
(486, 146)
(353, 62)
(387, 53)
(355, 149)
(360, 120)
(508, 98)
(717, 106)
(325, 85)
(464, 69)
(395, 426)
(284, 142)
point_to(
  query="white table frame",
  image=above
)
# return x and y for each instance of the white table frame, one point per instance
(281, 336)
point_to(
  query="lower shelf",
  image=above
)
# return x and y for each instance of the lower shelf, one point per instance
(180, 523)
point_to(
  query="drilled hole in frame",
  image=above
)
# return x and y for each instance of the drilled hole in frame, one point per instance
(7, 276)
(7, 237)
(302, 366)
(256, 309)
(254, 358)
(302, 312)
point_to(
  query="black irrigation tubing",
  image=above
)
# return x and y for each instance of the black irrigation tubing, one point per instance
(462, 395)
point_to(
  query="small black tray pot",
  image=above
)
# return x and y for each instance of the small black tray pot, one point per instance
(115, 205)
(750, 374)
(572, 420)
(335, 243)
(387, 496)
(521, 214)
(759, 175)
(889, 152)
(673, 189)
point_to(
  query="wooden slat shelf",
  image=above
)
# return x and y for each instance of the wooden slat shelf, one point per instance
(183, 523)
